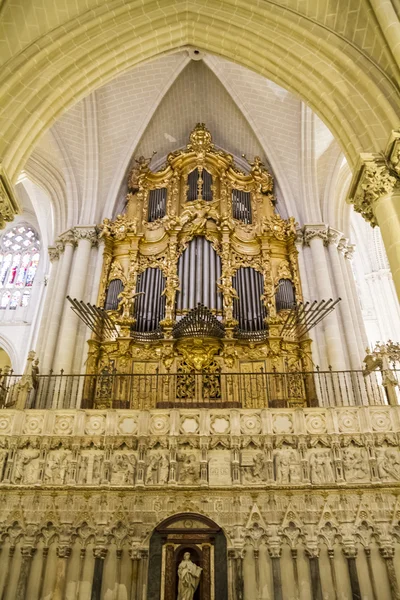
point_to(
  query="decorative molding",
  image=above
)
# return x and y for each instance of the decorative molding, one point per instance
(9, 205)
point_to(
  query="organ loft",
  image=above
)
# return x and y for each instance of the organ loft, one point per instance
(200, 454)
(200, 279)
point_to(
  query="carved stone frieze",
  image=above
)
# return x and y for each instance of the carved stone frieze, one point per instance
(324, 447)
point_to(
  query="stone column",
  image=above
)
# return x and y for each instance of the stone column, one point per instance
(86, 236)
(387, 553)
(316, 236)
(11, 553)
(375, 193)
(65, 245)
(307, 294)
(313, 557)
(135, 569)
(239, 576)
(371, 573)
(334, 237)
(142, 579)
(249, 574)
(331, 555)
(275, 554)
(45, 316)
(27, 553)
(345, 256)
(99, 555)
(350, 553)
(82, 558)
(63, 553)
(232, 574)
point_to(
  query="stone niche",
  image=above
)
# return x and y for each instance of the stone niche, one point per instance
(206, 543)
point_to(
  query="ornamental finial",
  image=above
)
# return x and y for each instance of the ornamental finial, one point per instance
(200, 139)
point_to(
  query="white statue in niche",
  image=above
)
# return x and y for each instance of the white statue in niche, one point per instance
(189, 577)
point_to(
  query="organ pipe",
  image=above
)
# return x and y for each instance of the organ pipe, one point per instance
(201, 267)
(241, 206)
(193, 179)
(249, 310)
(150, 307)
(285, 296)
(157, 204)
(114, 289)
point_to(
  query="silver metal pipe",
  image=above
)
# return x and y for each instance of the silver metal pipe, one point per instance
(192, 274)
(179, 295)
(147, 290)
(247, 299)
(218, 273)
(199, 270)
(254, 304)
(212, 260)
(159, 277)
(207, 282)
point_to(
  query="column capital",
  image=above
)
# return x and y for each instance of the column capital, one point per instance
(28, 551)
(54, 253)
(377, 177)
(85, 232)
(64, 551)
(100, 552)
(317, 231)
(275, 551)
(9, 205)
(64, 239)
(312, 551)
(387, 552)
(350, 551)
(335, 237)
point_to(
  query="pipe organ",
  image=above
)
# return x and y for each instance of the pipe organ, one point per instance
(200, 244)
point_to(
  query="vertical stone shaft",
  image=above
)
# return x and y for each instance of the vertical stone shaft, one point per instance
(232, 574)
(99, 556)
(350, 554)
(135, 568)
(82, 557)
(11, 553)
(295, 571)
(239, 577)
(118, 578)
(388, 553)
(69, 327)
(45, 554)
(62, 275)
(275, 554)
(63, 553)
(141, 592)
(331, 554)
(371, 573)
(334, 347)
(27, 555)
(313, 558)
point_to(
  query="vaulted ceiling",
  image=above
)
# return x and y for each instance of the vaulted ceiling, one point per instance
(83, 159)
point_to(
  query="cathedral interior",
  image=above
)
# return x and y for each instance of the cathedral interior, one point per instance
(199, 316)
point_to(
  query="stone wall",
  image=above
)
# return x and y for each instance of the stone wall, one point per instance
(307, 499)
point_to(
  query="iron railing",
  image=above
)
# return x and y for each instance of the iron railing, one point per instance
(195, 389)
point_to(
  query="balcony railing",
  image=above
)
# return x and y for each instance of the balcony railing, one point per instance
(197, 390)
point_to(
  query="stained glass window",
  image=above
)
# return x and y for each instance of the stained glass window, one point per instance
(19, 259)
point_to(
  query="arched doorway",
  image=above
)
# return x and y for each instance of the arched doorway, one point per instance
(204, 540)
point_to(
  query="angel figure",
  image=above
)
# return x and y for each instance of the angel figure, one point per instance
(126, 302)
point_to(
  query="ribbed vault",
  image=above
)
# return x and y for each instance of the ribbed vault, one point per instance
(342, 83)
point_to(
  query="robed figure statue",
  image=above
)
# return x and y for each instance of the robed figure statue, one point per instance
(189, 576)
